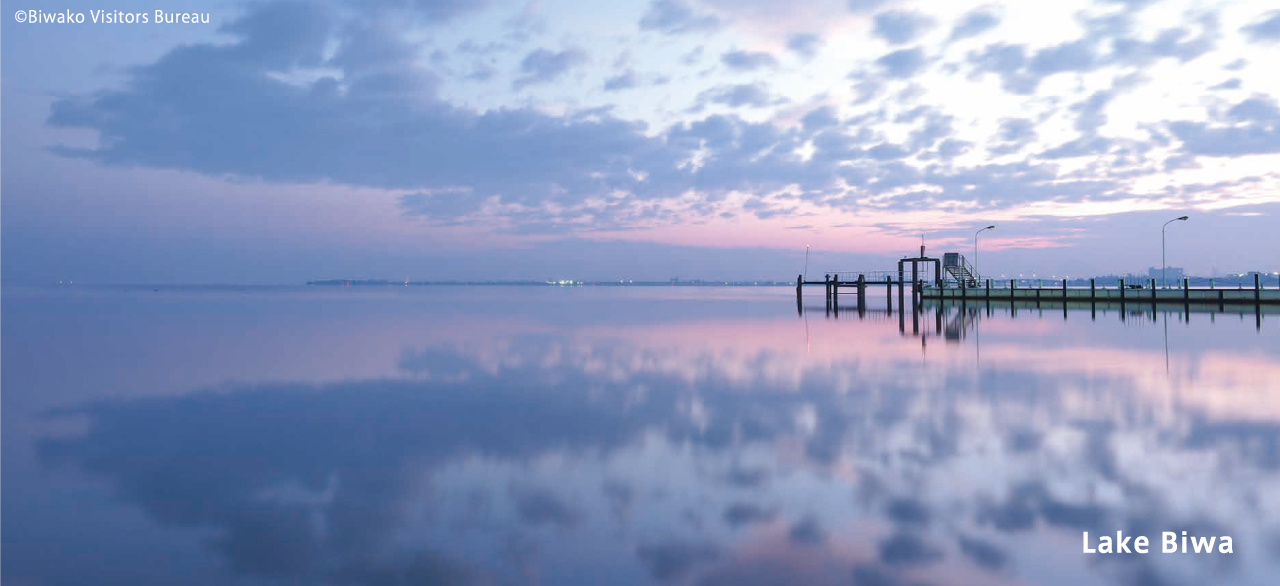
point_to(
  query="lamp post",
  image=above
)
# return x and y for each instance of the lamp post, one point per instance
(806, 262)
(975, 249)
(1164, 265)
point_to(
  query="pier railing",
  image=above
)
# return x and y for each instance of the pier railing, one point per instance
(870, 276)
(1122, 293)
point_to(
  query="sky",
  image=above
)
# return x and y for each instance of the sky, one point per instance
(436, 140)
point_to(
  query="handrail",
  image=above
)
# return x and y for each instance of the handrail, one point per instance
(852, 276)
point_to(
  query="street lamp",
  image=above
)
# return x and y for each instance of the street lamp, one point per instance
(806, 262)
(975, 249)
(1164, 265)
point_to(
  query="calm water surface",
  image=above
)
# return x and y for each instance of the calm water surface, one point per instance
(625, 436)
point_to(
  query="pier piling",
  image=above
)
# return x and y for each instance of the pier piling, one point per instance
(888, 293)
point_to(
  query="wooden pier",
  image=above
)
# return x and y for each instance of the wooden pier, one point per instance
(857, 283)
(1125, 293)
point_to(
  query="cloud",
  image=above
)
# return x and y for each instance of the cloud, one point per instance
(1107, 44)
(285, 34)
(373, 116)
(540, 506)
(1022, 74)
(1255, 109)
(900, 26)
(1131, 4)
(740, 514)
(1008, 62)
(622, 81)
(1250, 127)
(804, 44)
(435, 11)
(738, 95)
(1073, 56)
(908, 549)
(807, 532)
(902, 63)
(820, 118)
(1013, 135)
(1266, 30)
(908, 512)
(748, 60)
(693, 56)
(1017, 130)
(672, 560)
(1230, 84)
(974, 23)
(1169, 43)
(863, 6)
(374, 126)
(675, 17)
(984, 554)
(544, 65)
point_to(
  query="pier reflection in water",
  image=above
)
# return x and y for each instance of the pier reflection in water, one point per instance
(958, 315)
(600, 436)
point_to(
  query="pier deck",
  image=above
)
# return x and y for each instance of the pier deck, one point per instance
(989, 291)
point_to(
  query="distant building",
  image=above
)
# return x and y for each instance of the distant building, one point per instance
(1170, 273)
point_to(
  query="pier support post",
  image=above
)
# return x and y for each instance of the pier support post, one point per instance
(1013, 284)
(915, 282)
(1064, 299)
(915, 315)
(799, 283)
(862, 294)
(835, 295)
(888, 293)
(1257, 291)
(1153, 290)
(1093, 299)
(1121, 297)
(1186, 290)
(902, 306)
(988, 297)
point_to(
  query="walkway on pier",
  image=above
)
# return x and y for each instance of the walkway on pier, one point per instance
(856, 283)
(1124, 293)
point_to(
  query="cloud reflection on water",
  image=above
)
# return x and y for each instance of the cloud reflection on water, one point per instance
(720, 451)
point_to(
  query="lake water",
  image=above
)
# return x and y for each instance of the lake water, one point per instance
(626, 436)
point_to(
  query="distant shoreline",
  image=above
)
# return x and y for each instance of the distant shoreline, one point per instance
(1269, 280)
(564, 283)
